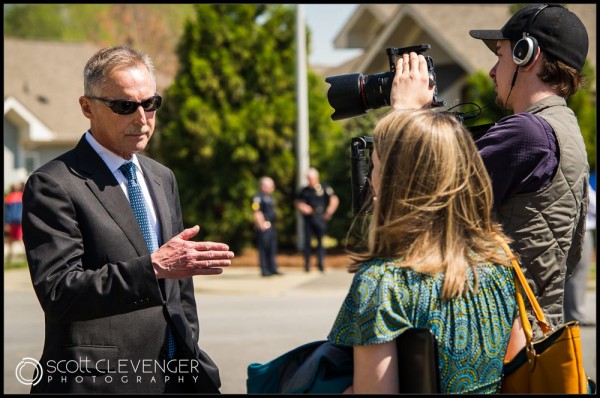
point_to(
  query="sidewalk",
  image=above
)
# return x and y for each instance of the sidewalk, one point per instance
(247, 281)
(235, 279)
(241, 280)
(238, 281)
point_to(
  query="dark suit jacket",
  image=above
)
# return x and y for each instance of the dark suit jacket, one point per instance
(104, 311)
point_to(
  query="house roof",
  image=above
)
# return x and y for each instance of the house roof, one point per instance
(47, 78)
(448, 24)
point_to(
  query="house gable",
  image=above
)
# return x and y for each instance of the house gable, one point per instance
(29, 126)
(373, 27)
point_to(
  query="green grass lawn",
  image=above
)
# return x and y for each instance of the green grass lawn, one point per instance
(17, 260)
(15, 264)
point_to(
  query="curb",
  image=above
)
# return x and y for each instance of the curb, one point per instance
(248, 281)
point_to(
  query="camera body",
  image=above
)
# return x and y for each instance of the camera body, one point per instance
(354, 94)
(362, 165)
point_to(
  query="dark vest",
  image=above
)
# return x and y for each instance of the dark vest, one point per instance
(548, 225)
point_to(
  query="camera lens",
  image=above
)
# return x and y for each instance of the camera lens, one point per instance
(345, 95)
(354, 94)
(377, 89)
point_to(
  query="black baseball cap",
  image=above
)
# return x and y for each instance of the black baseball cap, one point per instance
(557, 30)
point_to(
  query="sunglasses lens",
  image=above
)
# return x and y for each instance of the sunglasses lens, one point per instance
(124, 107)
(152, 104)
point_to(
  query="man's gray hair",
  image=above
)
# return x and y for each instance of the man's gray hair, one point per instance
(98, 67)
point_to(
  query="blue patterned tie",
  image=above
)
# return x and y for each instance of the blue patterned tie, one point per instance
(138, 205)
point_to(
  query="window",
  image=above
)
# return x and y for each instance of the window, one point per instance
(32, 161)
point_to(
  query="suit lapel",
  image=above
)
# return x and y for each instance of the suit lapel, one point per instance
(105, 187)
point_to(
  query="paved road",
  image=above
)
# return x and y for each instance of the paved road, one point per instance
(243, 319)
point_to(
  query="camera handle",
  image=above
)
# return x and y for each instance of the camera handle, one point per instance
(361, 166)
(392, 53)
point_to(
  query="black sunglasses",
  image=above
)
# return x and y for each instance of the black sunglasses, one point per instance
(125, 107)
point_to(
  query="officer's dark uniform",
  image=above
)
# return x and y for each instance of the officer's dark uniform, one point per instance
(314, 224)
(267, 239)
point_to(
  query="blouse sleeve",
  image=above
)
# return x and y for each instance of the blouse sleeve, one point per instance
(375, 308)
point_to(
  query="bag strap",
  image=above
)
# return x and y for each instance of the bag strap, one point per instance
(521, 283)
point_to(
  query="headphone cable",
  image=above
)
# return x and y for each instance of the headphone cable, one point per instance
(512, 84)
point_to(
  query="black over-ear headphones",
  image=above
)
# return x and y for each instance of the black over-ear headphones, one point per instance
(526, 47)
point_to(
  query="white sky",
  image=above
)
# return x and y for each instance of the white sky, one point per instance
(325, 22)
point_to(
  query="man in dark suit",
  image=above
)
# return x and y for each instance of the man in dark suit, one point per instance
(116, 287)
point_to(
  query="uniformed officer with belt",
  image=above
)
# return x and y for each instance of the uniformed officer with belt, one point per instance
(317, 202)
(264, 215)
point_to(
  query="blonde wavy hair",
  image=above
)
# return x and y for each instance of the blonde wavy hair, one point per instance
(433, 206)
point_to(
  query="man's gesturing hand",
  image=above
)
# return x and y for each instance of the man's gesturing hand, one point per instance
(182, 258)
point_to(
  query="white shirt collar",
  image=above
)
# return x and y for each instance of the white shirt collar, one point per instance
(112, 160)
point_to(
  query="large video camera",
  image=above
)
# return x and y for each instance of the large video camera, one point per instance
(354, 94)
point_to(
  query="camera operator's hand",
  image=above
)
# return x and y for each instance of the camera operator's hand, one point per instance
(410, 88)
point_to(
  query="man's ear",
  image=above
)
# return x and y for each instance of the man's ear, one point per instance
(84, 102)
(536, 60)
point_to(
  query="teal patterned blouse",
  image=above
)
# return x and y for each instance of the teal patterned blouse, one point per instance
(472, 331)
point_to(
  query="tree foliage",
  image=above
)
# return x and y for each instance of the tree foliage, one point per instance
(152, 28)
(583, 104)
(479, 89)
(230, 117)
(39, 21)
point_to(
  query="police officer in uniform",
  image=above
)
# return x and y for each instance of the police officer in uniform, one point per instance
(263, 207)
(317, 202)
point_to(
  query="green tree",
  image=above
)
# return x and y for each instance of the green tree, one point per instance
(583, 104)
(230, 117)
(40, 21)
(479, 89)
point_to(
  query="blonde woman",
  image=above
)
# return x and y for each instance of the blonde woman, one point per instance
(432, 260)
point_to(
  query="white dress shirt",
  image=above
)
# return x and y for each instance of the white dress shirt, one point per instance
(114, 161)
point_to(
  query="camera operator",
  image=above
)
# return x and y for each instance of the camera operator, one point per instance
(536, 157)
